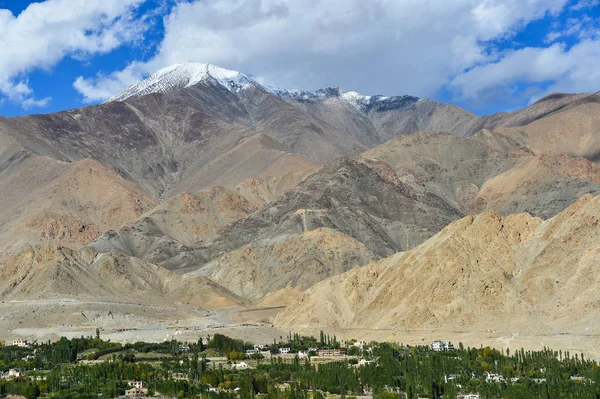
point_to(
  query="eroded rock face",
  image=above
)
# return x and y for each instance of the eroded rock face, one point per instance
(48, 272)
(276, 222)
(297, 261)
(176, 225)
(381, 200)
(356, 201)
(46, 201)
(517, 272)
(487, 171)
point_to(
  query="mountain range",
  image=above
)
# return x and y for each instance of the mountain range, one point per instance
(202, 187)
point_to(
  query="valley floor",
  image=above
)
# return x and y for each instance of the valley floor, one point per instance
(127, 323)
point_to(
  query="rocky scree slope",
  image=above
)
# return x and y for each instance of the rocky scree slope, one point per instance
(516, 272)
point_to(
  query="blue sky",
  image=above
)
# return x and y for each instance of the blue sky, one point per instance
(486, 56)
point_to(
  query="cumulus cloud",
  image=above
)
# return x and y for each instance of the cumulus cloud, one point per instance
(33, 103)
(45, 33)
(103, 87)
(377, 46)
(572, 69)
(581, 28)
(583, 4)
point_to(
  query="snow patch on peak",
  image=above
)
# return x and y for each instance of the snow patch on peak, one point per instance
(179, 76)
(353, 99)
(360, 101)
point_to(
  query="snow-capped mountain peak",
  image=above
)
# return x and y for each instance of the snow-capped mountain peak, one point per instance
(353, 99)
(179, 76)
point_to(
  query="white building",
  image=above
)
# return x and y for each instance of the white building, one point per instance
(136, 393)
(497, 378)
(468, 396)
(13, 373)
(250, 352)
(364, 362)
(440, 346)
(135, 384)
(23, 343)
(284, 351)
(184, 348)
(239, 366)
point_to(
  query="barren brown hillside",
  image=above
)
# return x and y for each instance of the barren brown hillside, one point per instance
(297, 261)
(481, 272)
(573, 130)
(488, 170)
(47, 272)
(48, 201)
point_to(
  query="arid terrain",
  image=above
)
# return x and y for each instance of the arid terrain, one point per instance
(225, 205)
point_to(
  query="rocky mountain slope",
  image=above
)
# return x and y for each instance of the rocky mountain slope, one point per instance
(48, 201)
(351, 197)
(195, 125)
(488, 170)
(481, 272)
(571, 130)
(296, 261)
(47, 272)
(364, 120)
(177, 224)
(546, 106)
(205, 171)
(164, 143)
(340, 217)
(390, 199)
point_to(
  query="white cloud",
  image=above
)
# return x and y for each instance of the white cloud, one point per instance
(44, 33)
(104, 86)
(568, 70)
(33, 103)
(375, 46)
(583, 27)
(583, 4)
(15, 90)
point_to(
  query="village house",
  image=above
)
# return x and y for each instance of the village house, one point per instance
(22, 343)
(136, 393)
(284, 351)
(440, 346)
(364, 362)
(577, 378)
(179, 377)
(184, 348)
(468, 396)
(135, 384)
(497, 378)
(331, 352)
(13, 373)
(240, 366)
(303, 354)
(251, 352)
(397, 391)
